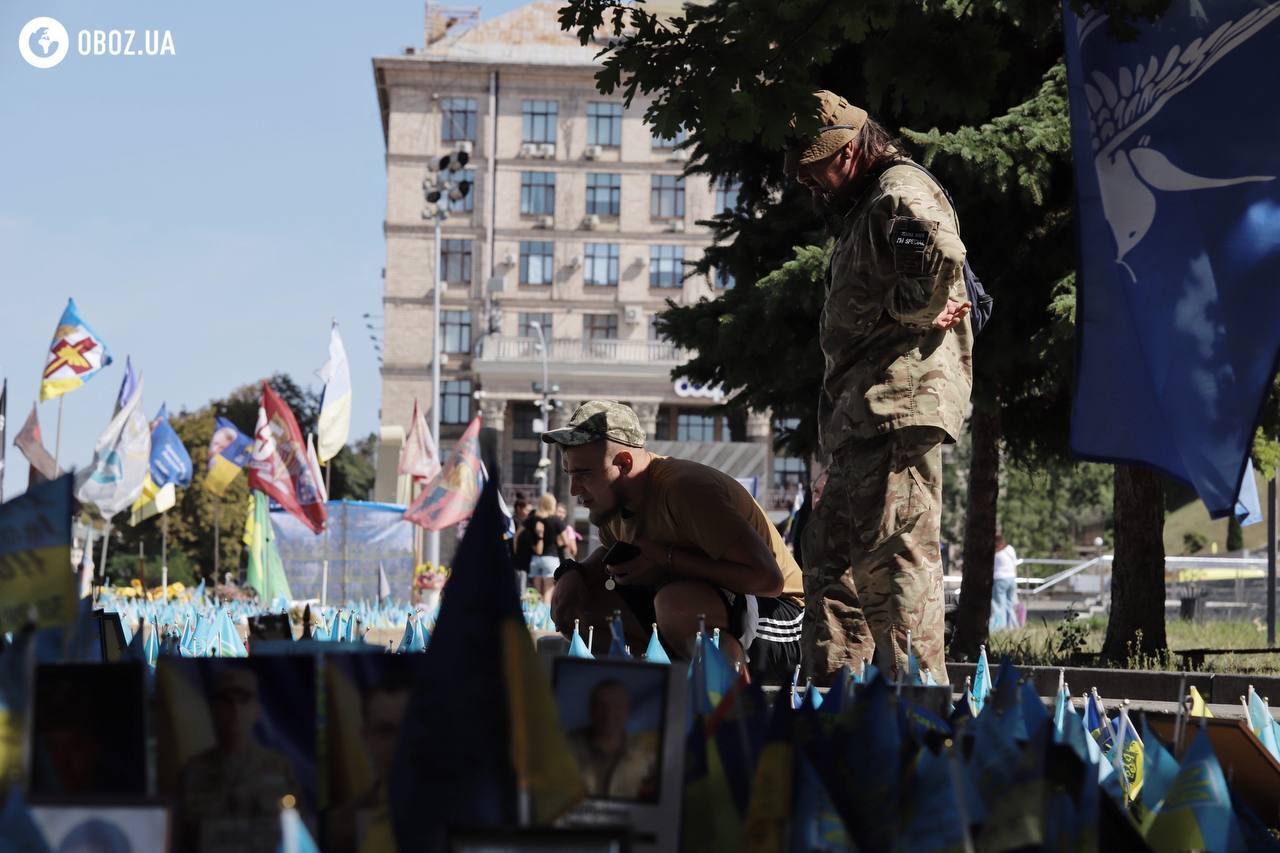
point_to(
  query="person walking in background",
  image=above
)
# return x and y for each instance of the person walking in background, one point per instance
(1004, 589)
(571, 536)
(547, 543)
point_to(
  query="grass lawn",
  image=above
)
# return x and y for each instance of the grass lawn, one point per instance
(1043, 643)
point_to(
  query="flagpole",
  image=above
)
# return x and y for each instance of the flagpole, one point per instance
(57, 438)
(164, 555)
(436, 348)
(106, 538)
(324, 569)
(217, 519)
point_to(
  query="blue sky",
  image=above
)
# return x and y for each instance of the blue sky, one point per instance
(210, 211)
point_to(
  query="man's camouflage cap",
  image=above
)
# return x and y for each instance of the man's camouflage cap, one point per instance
(595, 420)
(838, 124)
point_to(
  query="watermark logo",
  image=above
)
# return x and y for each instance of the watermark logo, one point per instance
(43, 42)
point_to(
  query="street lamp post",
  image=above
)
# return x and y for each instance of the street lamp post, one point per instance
(439, 194)
(544, 462)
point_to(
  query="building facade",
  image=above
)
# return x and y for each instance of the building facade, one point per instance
(578, 227)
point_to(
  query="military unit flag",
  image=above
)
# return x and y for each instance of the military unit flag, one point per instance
(75, 354)
(121, 460)
(280, 467)
(28, 440)
(451, 495)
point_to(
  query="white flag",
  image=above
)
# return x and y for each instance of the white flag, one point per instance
(121, 460)
(314, 465)
(335, 409)
(418, 457)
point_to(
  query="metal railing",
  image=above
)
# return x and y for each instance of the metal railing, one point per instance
(1075, 567)
(578, 350)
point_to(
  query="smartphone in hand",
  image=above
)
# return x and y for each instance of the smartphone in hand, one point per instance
(620, 552)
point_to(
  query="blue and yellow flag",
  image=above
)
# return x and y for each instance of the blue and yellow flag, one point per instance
(655, 653)
(75, 355)
(1096, 722)
(981, 681)
(577, 648)
(35, 556)
(1196, 814)
(229, 452)
(504, 729)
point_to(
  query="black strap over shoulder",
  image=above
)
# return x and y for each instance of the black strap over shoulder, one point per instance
(981, 301)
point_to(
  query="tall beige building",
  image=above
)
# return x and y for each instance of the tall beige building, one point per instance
(579, 224)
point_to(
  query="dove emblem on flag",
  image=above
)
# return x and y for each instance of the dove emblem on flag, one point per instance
(1131, 170)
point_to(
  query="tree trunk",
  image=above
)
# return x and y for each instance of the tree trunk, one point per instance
(974, 610)
(1136, 624)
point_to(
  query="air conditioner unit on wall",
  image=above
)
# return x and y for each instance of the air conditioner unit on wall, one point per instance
(547, 221)
(592, 222)
(679, 155)
(547, 149)
(528, 149)
(675, 225)
(633, 314)
(592, 152)
(464, 146)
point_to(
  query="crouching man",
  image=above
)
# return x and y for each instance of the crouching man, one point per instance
(701, 545)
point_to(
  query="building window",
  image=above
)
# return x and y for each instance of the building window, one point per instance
(467, 203)
(457, 331)
(526, 321)
(666, 266)
(724, 279)
(604, 123)
(604, 194)
(522, 417)
(600, 327)
(455, 261)
(662, 430)
(524, 465)
(455, 401)
(537, 192)
(727, 196)
(535, 262)
(788, 471)
(654, 333)
(458, 119)
(539, 119)
(666, 196)
(601, 265)
(669, 144)
(695, 426)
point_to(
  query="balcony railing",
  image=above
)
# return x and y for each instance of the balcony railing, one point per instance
(500, 348)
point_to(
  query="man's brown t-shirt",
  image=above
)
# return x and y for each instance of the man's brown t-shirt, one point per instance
(684, 505)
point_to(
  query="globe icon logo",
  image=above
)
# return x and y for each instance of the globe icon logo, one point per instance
(43, 42)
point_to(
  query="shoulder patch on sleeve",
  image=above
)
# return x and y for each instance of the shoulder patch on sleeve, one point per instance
(910, 239)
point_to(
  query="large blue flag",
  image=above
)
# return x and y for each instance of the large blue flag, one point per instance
(1179, 229)
(170, 462)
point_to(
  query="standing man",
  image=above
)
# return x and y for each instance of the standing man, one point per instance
(699, 546)
(897, 345)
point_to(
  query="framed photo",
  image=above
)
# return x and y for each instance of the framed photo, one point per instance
(625, 721)
(110, 635)
(234, 736)
(89, 730)
(366, 697)
(141, 827)
(540, 841)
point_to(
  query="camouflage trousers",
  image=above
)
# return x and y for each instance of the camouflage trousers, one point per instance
(872, 564)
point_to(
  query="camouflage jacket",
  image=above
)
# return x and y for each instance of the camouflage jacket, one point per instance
(896, 261)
